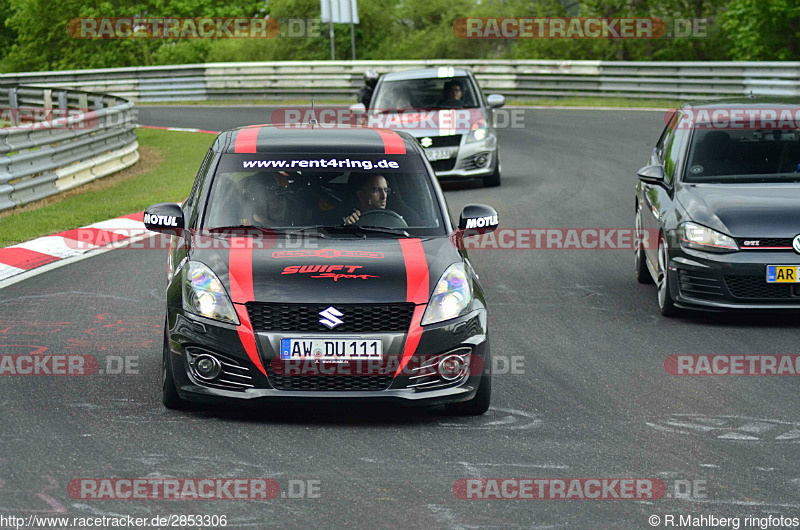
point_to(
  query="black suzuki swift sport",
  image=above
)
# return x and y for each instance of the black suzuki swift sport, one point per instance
(321, 263)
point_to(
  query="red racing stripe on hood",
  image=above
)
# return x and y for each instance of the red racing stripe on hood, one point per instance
(393, 144)
(240, 270)
(417, 291)
(246, 140)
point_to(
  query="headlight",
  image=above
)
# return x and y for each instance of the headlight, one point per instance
(204, 295)
(451, 297)
(701, 238)
(478, 132)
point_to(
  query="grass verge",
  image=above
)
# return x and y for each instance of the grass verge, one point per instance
(165, 172)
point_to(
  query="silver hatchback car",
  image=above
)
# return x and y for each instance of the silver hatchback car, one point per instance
(447, 113)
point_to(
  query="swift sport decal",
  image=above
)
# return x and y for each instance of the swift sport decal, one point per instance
(334, 272)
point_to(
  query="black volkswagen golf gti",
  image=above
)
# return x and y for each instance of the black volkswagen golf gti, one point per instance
(721, 199)
(321, 263)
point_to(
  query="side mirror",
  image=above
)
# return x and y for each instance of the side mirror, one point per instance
(496, 100)
(478, 219)
(653, 174)
(164, 217)
(358, 108)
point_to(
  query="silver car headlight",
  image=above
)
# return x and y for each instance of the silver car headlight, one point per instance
(452, 296)
(699, 237)
(204, 295)
(479, 131)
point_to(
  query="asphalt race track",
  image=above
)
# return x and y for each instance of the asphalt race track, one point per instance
(590, 396)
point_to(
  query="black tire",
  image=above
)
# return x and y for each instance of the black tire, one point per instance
(483, 397)
(665, 302)
(493, 180)
(169, 395)
(642, 272)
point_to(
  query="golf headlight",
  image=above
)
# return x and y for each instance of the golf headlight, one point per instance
(701, 238)
(477, 132)
(451, 297)
(204, 295)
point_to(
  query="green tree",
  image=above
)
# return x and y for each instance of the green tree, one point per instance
(762, 30)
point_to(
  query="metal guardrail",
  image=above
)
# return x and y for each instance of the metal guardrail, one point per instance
(341, 79)
(40, 159)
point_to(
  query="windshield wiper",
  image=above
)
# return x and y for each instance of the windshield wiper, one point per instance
(366, 230)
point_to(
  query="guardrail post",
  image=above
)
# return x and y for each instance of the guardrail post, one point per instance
(12, 97)
(62, 100)
(83, 102)
(47, 98)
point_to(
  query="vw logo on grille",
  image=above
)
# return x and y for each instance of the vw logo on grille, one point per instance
(426, 142)
(330, 317)
(796, 244)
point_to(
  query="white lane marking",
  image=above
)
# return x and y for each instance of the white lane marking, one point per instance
(58, 246)
(7, 271)
(791, 435)
(694, 426)
(737, 436)
(532, 421)
(67, 261)
(537, 466)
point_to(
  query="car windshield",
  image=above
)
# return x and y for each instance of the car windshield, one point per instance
(744, 156)
(391, 192)
(431, 93)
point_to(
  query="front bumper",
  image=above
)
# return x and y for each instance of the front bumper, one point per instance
(189, 334)
(464, 166)
(735, 280)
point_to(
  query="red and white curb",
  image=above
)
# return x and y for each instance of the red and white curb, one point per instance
(46, 251)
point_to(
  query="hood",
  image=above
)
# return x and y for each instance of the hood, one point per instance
(744, 210)
(421, 122)
(375, 270)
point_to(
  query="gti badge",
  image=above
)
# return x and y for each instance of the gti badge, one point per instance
(796, 244)
(426, 142)
(330, 317)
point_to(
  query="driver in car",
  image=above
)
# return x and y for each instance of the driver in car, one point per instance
(372, 194)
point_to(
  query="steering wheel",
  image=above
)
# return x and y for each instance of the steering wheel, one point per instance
(382, 218)
(451, 103)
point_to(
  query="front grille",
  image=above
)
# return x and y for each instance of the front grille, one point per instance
(443, 141)
(699, 285)
(356, 318)
(764, 242)
(444, 165)
(324, 382)
(757, 288)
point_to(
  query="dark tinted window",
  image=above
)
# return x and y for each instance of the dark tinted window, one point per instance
(744, 155)
(296, 191)
(447, 92)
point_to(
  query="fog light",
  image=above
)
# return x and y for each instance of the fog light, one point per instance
(452, 367)
(481, 160)
(207, 367)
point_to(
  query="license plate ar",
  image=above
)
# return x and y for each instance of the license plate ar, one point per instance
(782, 274)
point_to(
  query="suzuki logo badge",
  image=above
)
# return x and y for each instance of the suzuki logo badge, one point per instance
(330, 317)
(796, 244)
(426, 142)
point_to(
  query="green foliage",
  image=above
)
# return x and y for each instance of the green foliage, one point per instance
(34, 35)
